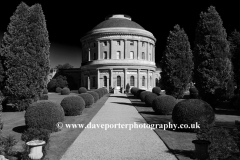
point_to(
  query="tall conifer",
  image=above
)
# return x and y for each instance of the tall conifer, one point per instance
(177, 63)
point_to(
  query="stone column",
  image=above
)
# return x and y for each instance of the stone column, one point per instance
(125, 48)
(148, 79)
(138, 49)
(111, 77)
(88, 80)
(153, 79)
(98, 50)
(138, 81)
(111, 53)
(125, 78)
(98, 78)
(147, 54)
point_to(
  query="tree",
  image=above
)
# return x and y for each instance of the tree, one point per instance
(177, 63)
(61, 81)
(234, 40)
(213, 68)
(25, 53)
(64, 66)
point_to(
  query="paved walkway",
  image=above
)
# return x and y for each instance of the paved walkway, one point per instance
(118, 143)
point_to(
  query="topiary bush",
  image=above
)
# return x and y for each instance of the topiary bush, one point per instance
(73, 105)
(139, 92)
(99, 93)
(193, 93)
(149, 99)
(65, 91)
(43, 97)
(44, 114)
(134, 90)
(95, 95)
(45, 91)
(156, 90)
(58, 90)
(82, 90)
(143, 95)
(191, 111)
(88, 99)
(164, 104)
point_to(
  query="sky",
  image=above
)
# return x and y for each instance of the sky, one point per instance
(68, 21)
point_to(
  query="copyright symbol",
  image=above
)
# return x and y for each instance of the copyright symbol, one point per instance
(59, 125)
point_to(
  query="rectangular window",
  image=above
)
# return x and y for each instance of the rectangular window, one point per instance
(131, 43)
(131, 55)
(118, 43)
(118, 55)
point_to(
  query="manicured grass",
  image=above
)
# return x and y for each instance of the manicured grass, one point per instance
(178, 142)
(14, 124)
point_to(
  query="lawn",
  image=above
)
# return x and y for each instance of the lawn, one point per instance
(179, 143)
(59, 141)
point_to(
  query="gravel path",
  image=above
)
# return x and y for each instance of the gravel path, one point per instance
(118, 143)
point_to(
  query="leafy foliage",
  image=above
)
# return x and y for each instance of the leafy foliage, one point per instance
(177, 53)
(88, 99)
(234, 40)
(64, 66)
(6, 144)
(25, 53)
(65, 91)
(164, 104)
(44, 114)
(95, 95)
(191, 111)
(213, 68)
(61, 81)
(82, 90)
(73, 105)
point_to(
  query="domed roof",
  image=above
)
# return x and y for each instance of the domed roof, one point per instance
(118, 21)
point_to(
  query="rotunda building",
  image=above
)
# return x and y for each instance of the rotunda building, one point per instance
(117, 52)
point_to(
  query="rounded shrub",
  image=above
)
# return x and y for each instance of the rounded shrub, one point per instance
(88, 99)
(82, 90)
(44, 114)
(149, 99)
(65, 91)
(95, 95)
(134, 90)
(164, 104)
(156, 90)
(45, 91)
(58, 90)
(73, 105)
(99, 93)
(143, 95)
(102, 91)
(139, 92)
(191, 111)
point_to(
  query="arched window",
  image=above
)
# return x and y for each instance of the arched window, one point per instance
(118, 81)
(143, 55)
(143, 81)
(118, 55)
(150, 80)
(105, 81)
(131, 55)
(105, 55)
(132, 81)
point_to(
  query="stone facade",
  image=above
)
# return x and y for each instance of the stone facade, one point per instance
(118, 54)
